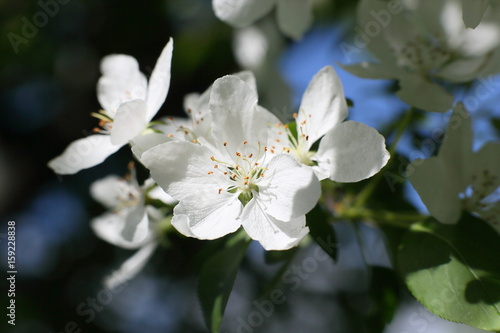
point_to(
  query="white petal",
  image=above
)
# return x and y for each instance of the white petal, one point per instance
(121, 81)
(455, 153)
(248, 78)
(129, 269)
(424, 94)
(323, 105)
(107, 191)
(436, 188)
(136, 228)
(159, 194)
(207, 218)
(271, 233)
(463, 70)
(110, 226)
(159, 82)
(370, 70)
(289, 189)
(83, 153)
(237, 118)
(294, 17)
(240, 13)
(130, 120)
(473, 11)
(352, 151)
(142, 143)
(186, 172)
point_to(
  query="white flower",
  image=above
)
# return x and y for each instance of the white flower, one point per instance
(294, 16)
(458, 178)
(129, 103)
(196, 125)
(129, 222)
(426, 42)
(238, 181)
(348, 151)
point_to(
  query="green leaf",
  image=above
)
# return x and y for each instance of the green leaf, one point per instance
(454, 270)
(322, 231)
(217, 279)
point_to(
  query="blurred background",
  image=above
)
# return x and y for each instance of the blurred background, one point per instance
(50, 54)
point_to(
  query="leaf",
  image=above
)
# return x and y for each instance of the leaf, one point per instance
(454, 270)
(217, 279)
(322, 231)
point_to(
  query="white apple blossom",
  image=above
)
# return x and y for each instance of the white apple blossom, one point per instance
(294, 17)
(348, 151)
(239, 180)
(457, 178)
(129, 222)
(129, 103)
(428, 42)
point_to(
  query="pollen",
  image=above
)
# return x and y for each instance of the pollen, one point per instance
(186, 132)
(225, 173)
(212, 158)
(250, 156)
(307, 137)
(285, 126)
(220, 191)
(277, 140)
(303, 123)
(295, 115)
(238, 154)
(272, 151)
(216, 166)
(195, 141)
(170, 118)
(170, 135)
(245, 142)
(224, 143)
(245, 183)
(210, 172)
(189, 111)
(256, 163)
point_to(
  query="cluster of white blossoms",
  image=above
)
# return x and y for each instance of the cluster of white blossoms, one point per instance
(233, 166)
(425, 43)
(230, 163)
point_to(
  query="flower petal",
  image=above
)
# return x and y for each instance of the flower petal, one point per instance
(107, 191)
(131, 267)
(159, 82)
(83, 153)
(352, 151)
(473, 11)
(288, 189)
(414, 87)
(436, 188)
(199, 218)
(271, 233)
(186, 172)
(323, 105)
(110, 226)
(294, 17)
(158, 193)
(130, 121)
(237, 118)
(371, 70)
(121, 81)
(142, 143)
(240, 13)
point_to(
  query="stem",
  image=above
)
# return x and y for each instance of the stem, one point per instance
(368, 190)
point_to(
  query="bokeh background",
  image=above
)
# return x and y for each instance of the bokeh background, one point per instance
(48, 79)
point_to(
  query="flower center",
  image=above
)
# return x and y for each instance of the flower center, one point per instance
(298, 141)
(483, 196)
(244, 171)
(105, 122)
(423, 54)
